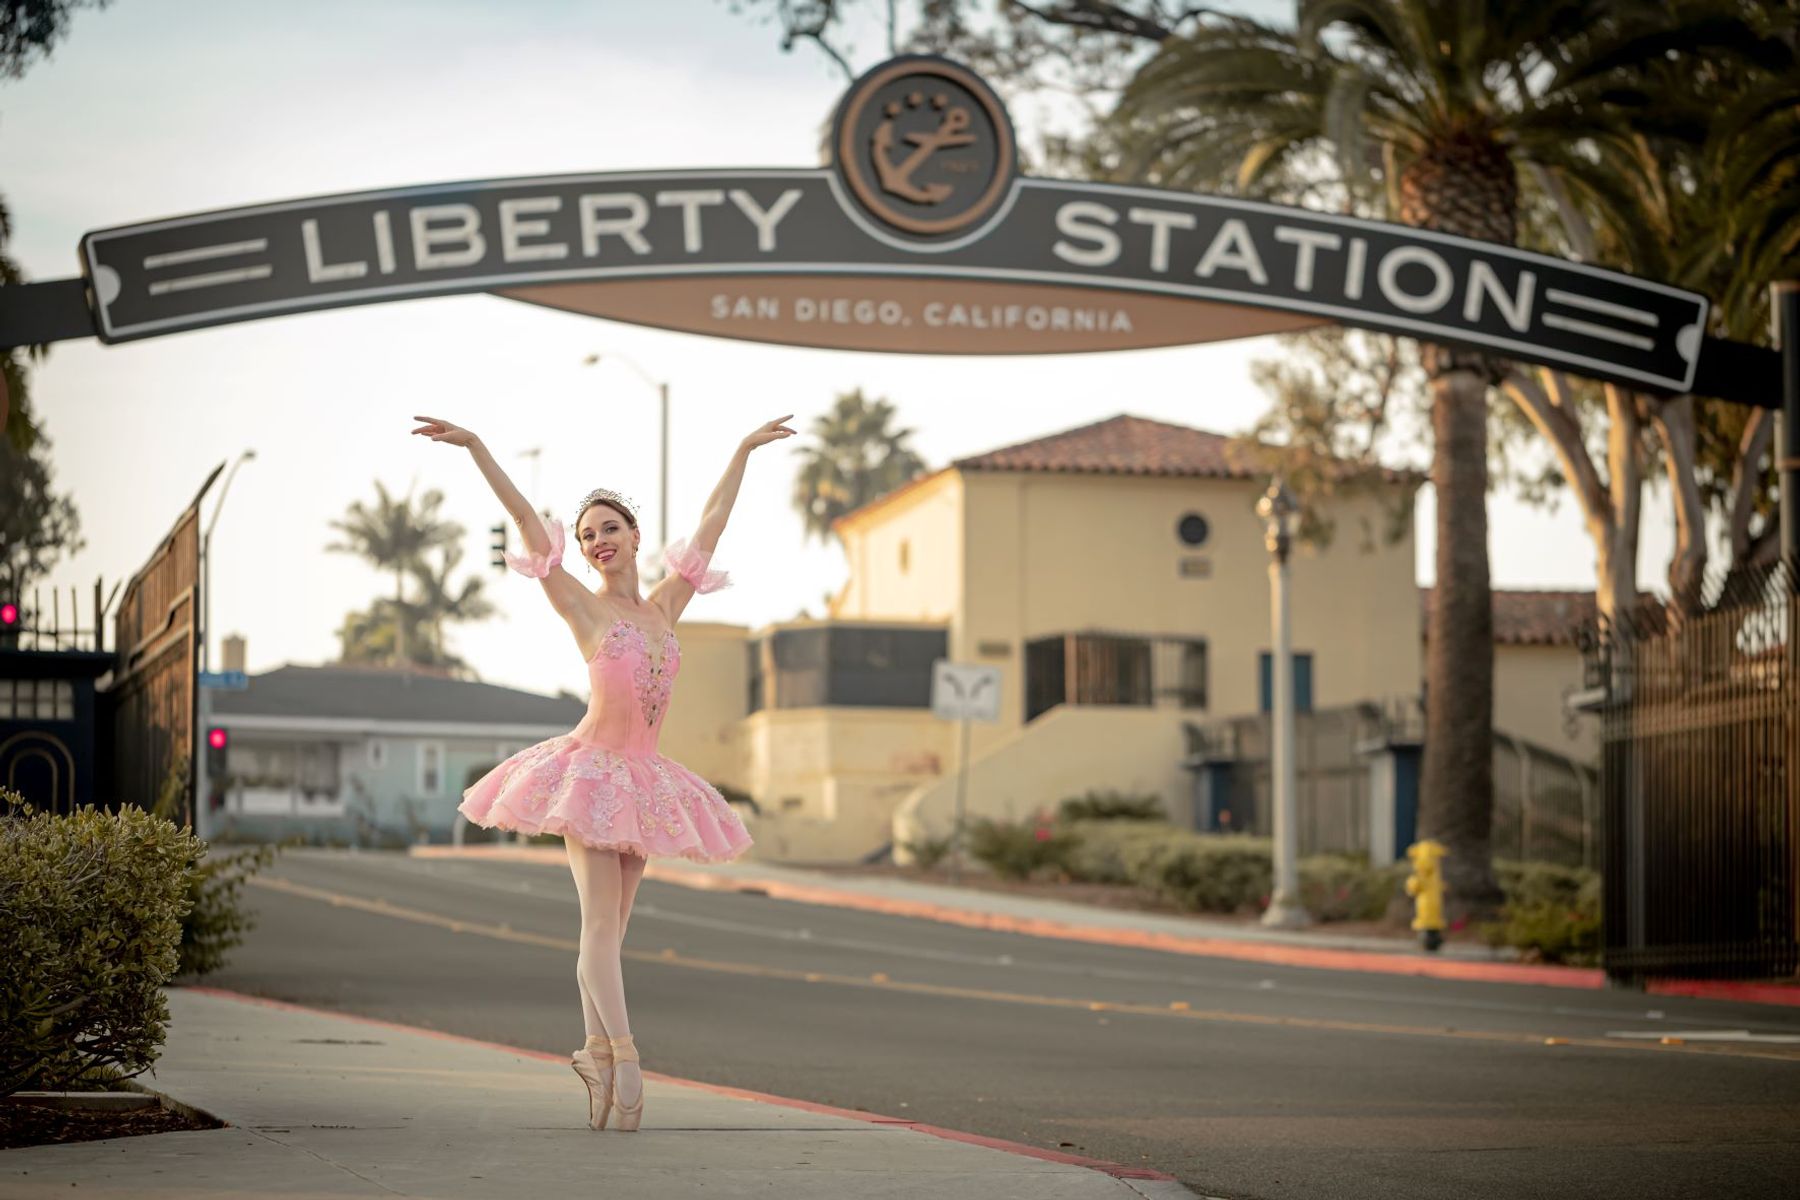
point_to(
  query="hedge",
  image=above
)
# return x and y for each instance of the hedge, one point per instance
(92, 904)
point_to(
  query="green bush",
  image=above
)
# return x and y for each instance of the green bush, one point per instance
(92, 905)
(1113, 806)
(1551, 913)
(1344, 887)
(927, 851)
(1114, 851)
(216, 921)
(1021, 851)
(1209, 872)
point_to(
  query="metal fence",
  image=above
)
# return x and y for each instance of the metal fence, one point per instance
(1545, 803)
(1699, 723)
(152, 699)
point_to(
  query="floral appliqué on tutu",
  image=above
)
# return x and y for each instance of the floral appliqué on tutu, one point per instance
(604, 783)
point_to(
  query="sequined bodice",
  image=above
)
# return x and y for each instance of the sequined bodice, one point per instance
(631, 686)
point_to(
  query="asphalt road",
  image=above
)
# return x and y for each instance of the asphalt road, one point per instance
(1242, 1080)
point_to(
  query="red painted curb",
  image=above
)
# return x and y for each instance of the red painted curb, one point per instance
(1726, 989)
(1274, 953)
(1117, 1170)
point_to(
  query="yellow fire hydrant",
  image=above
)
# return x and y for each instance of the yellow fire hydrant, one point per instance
(1426, 886)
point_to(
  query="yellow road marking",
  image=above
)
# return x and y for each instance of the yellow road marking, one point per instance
(1179, 1010)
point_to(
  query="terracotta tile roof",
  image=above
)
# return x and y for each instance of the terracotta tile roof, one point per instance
(1121, 445)
(1528, 618)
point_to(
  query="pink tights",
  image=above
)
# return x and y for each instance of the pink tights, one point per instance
(607, 882)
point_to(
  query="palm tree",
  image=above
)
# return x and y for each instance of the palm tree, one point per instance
(854, 458)
(439, 601)
(394, 536)
(1453, 101)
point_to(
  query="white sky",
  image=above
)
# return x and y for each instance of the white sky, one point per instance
(156, 108)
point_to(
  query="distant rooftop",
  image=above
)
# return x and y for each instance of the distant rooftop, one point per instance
(1121, 445)
(391, 695)
(1529, 618)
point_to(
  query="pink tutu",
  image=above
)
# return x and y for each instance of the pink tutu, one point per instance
(641, 804)
(604, 784)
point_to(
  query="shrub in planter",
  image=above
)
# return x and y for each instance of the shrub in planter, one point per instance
(1209, 873)
(92, 905)
(1020, 851)
(1107, 851)
(1113, 806)
(1343, 887)
(1552, 913)
(927, 851)
(216, 921)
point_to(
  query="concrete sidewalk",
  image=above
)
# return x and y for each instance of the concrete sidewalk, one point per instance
(1463, 957)
(321, 1104)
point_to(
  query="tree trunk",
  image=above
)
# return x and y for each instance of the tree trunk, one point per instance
(1462, 183)
(399, 620)
(1674, 422)
(1457, 784)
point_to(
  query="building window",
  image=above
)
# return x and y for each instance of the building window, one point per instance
(1103, 668)
(1303, 682)
(905, 555)
(377, 753)
(37, 700)
(431, 768)
(1192, 529)
(1190, 675)
(849, 665)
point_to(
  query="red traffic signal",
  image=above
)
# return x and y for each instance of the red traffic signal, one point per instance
(216, 738)
(9, 614)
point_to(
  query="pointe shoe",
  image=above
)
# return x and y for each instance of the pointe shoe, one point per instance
(625, 1051)
(594, 1064)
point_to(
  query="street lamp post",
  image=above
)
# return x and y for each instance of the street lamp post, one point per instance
(206, 620)
(662, 475)
(1279, 514)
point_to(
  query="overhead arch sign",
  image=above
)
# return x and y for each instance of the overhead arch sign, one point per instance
(918, 236)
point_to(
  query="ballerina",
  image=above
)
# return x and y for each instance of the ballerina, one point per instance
(603, 786)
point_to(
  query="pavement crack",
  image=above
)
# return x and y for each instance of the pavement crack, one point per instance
(331, 1163)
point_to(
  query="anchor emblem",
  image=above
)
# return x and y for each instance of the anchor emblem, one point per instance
(897, 178)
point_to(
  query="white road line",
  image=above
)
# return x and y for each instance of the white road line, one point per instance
(202, 253)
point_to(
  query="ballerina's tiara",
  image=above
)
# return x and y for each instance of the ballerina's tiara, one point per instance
(606, 496)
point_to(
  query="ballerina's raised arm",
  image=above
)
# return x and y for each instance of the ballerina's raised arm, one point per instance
(543, 540)
(688, 558)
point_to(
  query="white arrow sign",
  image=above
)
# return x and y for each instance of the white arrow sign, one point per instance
(965, 691)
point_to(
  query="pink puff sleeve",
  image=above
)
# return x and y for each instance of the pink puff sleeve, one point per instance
(538, 565)
(691, 564)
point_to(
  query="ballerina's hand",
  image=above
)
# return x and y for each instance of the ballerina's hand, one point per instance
(444, 431)
(774, 431)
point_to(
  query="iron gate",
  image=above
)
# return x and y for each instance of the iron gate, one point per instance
(1701, 829)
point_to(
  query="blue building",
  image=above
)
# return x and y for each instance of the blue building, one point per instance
(361, 756)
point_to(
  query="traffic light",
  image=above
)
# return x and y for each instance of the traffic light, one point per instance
(9, 615)
(216, 741)
(499, 555)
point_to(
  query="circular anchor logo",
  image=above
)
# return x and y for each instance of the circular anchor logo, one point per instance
(924, 147)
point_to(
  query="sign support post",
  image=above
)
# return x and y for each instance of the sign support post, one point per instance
(1784, 316)
(963, 692)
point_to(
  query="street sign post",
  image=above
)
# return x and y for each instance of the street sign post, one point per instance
(963, 692)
